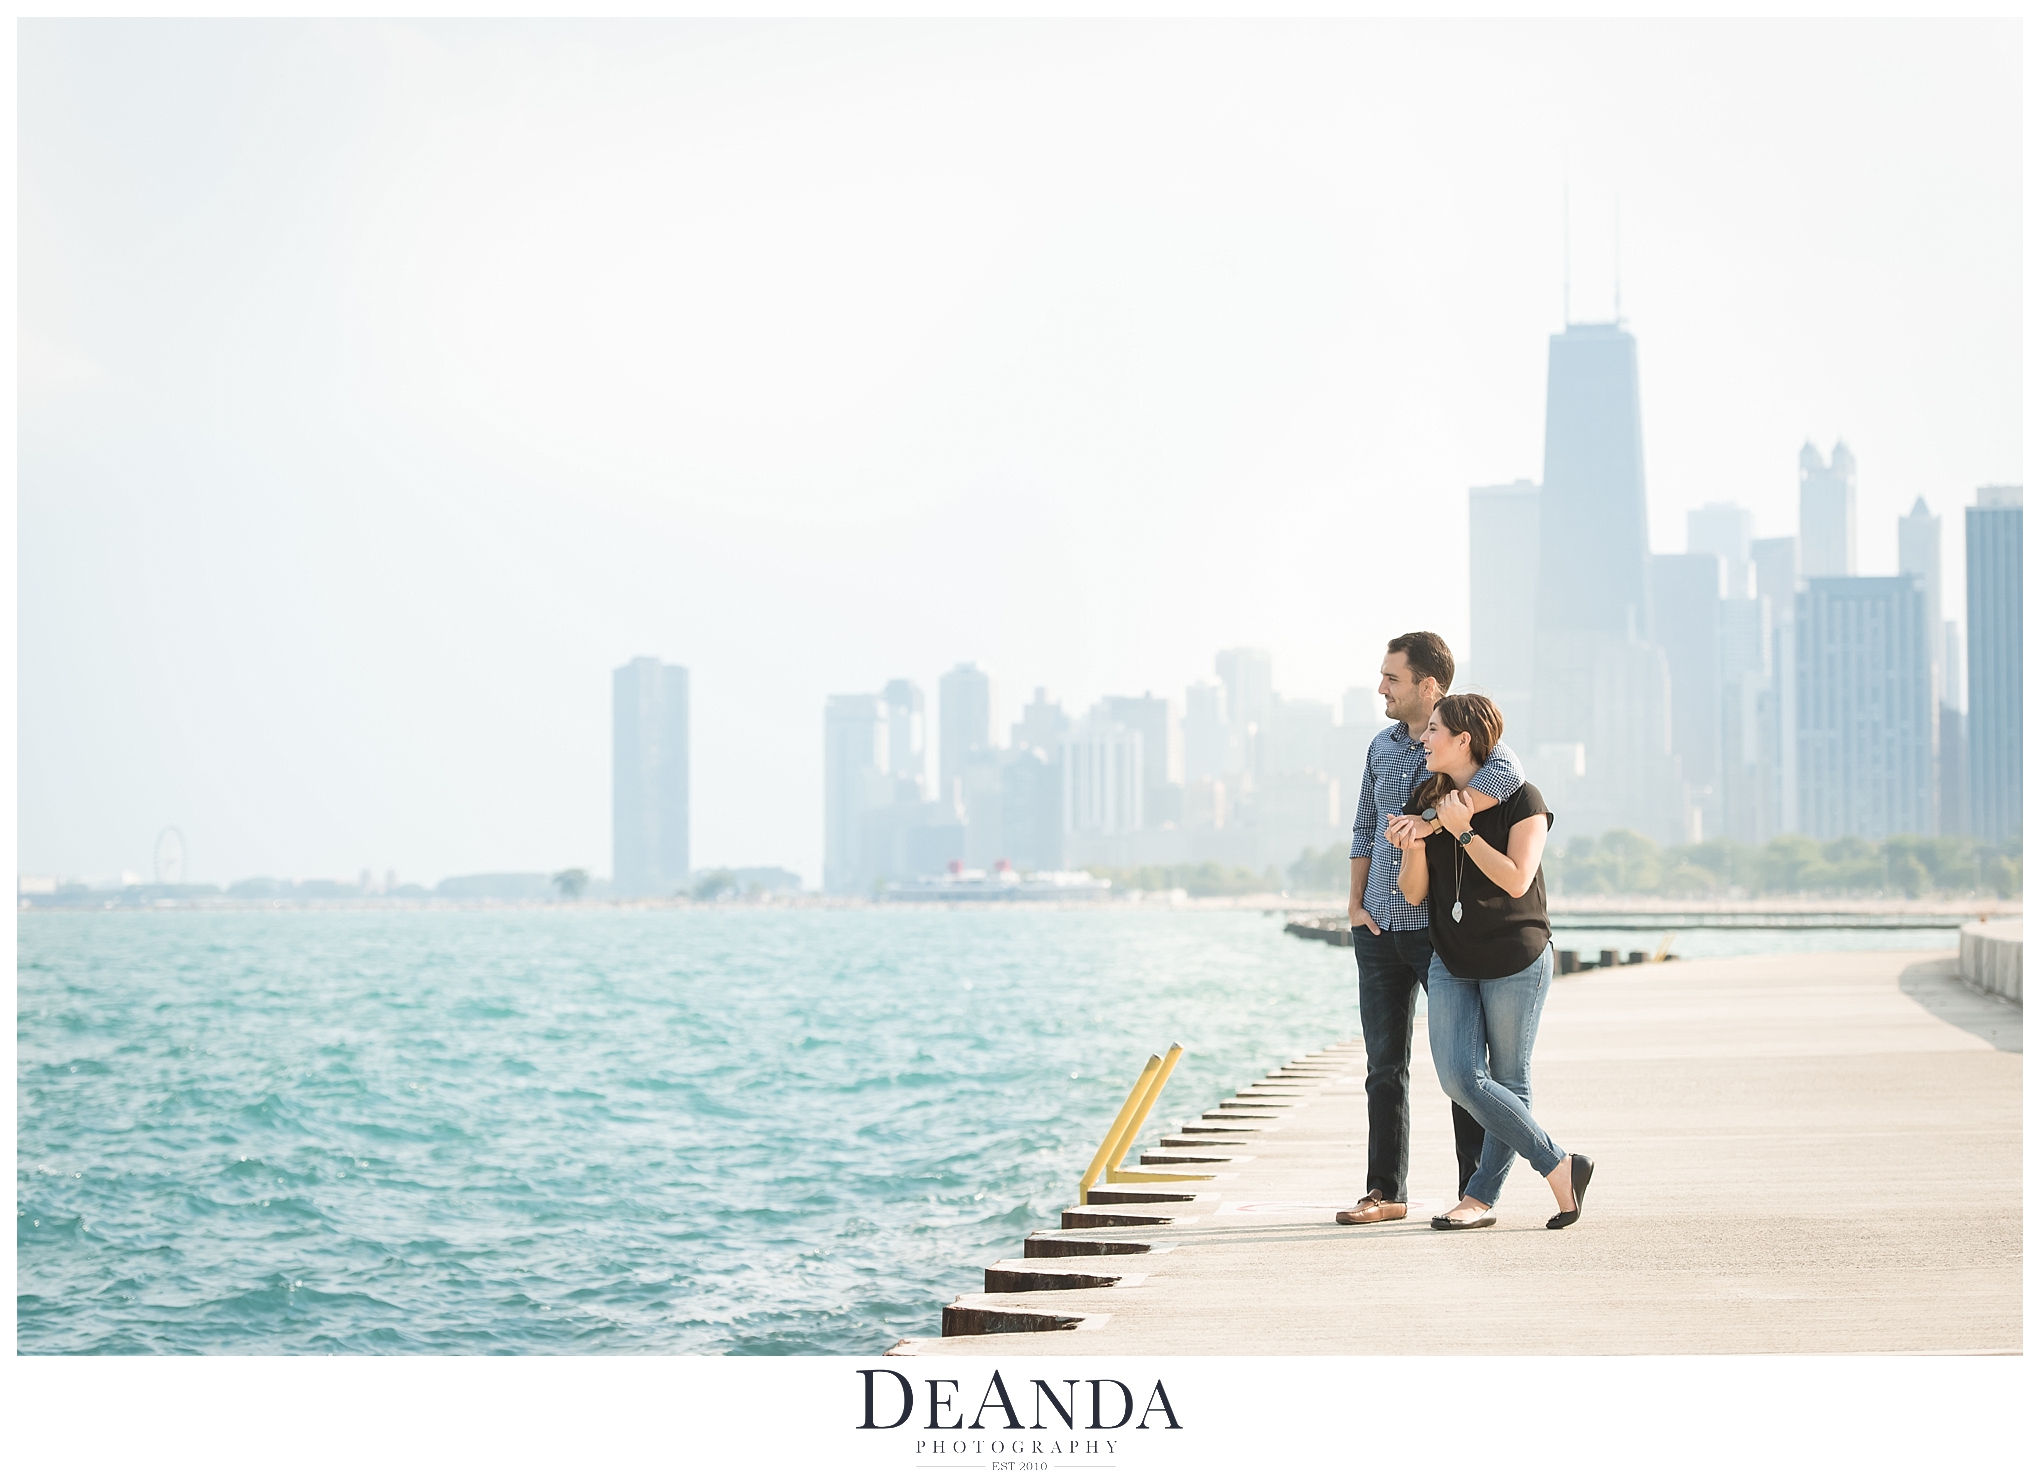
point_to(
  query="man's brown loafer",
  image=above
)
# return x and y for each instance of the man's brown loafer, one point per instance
(1371, 1208)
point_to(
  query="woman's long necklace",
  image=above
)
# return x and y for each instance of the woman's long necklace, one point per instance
(1458, 853)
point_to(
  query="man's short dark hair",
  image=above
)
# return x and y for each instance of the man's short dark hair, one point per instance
(1428, 656)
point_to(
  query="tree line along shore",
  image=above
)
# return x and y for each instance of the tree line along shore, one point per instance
(1623, 862)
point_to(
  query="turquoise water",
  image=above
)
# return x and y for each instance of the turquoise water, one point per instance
(743, 1132)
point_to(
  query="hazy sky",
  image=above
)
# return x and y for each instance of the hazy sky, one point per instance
(385, 385)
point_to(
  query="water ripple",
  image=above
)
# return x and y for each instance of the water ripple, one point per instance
(576, 1132)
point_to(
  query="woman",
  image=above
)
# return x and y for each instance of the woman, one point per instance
(1491, 960)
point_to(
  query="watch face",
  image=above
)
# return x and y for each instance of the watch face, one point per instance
(1430, 815)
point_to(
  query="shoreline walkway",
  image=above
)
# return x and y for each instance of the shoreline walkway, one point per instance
(1796, 1154)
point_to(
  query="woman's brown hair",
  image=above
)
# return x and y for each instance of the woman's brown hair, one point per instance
(1481, 720)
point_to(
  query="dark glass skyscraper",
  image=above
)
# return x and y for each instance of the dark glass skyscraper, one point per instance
(1594, 540)
(649, 778)
(1602, 693)
(1994, 527)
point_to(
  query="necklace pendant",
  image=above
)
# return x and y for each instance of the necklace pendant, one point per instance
(1457, 913)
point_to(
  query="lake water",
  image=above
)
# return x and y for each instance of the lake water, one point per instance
(599, 1131)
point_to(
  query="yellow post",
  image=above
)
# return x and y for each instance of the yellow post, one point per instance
(1118, 1124)
(1132, 1126)
(1664, 948)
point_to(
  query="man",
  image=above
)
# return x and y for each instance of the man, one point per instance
(1392, 938)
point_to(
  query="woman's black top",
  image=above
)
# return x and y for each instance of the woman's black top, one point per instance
(1498, 934)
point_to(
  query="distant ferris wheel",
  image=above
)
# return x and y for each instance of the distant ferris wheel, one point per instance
(170, 857)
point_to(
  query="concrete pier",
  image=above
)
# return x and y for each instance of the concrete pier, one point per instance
(1796, 1154)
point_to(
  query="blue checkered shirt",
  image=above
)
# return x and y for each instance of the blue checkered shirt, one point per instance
(1395, 765)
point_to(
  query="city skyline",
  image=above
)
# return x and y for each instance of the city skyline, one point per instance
(1731, 625)
(374, 409)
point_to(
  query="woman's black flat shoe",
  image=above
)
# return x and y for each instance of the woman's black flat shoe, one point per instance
(1582, 1173)
(1486, 1219)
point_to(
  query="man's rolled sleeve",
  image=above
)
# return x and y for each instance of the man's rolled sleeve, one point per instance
(1500, 775)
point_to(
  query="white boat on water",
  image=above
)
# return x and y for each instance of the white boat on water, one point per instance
(1001, 882)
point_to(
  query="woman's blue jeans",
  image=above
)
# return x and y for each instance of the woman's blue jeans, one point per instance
(1481, 1037)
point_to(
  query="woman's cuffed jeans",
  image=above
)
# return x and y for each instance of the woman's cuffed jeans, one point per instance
(1482, 1033)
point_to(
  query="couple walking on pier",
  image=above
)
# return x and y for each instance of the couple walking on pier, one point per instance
(1448, 895)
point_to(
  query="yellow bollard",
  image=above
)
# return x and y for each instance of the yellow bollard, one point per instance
(1126, 1110)
(1132, 1131)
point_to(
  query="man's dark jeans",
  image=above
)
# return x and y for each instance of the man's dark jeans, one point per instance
(1393, 966)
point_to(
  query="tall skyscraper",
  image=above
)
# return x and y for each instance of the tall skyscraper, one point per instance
(906, 726)
(1827, 513)
(1249, 679)
(1602, 694)
(1209, 749)
(1042, 723)
(1866, 717)
(1685, 594)
(965, 698)
(1502, 529)
(1726, 530)
(1150, 716)
(1103, 779)
(1031, 807)
(1593, 539)
(1746, 805)
(1919, 553)
(1749, 722)
(856, 747)
(1994, 528)
(648, 777)
(1776, 560)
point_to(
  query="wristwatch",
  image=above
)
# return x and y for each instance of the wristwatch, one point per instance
(1465, 838)
(1430, 815)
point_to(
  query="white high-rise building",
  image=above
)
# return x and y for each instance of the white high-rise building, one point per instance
(856, 748)
(1042, 724)
(1249, 679)
(1685, 620)
(1502, 536)
(1919, 553)
(1827, 513)
(1776, 560)
(649, 778)
(1210, 749)
(1749, 722)
(964, 698)
(1104, 779)
(906, 728)
(1726, 530)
